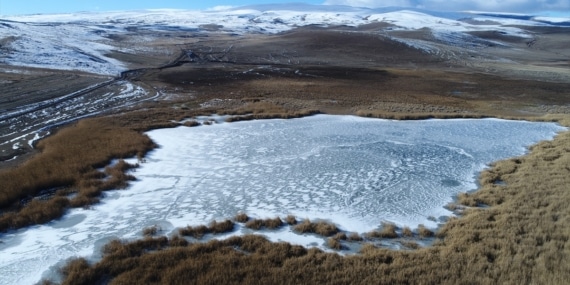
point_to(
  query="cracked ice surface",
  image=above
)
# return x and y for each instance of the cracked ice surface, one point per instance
(353, 171)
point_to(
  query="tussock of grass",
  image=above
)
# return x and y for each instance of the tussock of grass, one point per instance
(214, 227)
(340, 236)
(334, 244)
(241, 218)
(424, 232)
(387, 231)
(191, 123)
(196, 232)
(221, 227)
(151, 231)
(320, 228)
(273, 223)
(354, 237)
(407, 232)
(254, 224)
(257, 224)
(291, 220)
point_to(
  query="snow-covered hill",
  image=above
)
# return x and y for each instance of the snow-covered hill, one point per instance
(82, 41)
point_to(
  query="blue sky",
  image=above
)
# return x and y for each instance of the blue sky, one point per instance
(16, 7)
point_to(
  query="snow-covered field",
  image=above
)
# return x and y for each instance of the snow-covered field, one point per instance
(353, 171)
(83, 41)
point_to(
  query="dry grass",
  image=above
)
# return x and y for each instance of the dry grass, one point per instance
(410, 244)
(416, 116)
(254, 224)
(196, 232)
(151, 231)
(388, 231)
(407, 232)
(191, 123)
(241, 218)
(68, 160)
(291, 220)
(320, 228)
(334, 244)
(257, 224)
(214, 227)
(354, 237)
(424, 232)
(340, 236)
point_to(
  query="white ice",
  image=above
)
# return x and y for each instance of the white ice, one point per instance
(353, 171)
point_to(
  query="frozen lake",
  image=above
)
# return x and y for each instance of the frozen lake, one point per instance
(355, 172)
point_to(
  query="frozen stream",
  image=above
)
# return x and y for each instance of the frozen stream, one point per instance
(353, 171)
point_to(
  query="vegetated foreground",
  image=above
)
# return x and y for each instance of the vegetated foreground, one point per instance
(514, 231)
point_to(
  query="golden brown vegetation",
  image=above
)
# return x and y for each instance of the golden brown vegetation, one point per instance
(257, 224)
(150, 231)
(214, 228)
(321, 228)
(334, 243)
(68, 162)
(424, 232)
(291, 220)
(407, 232)
(388, 231)
(241, 218)
(354, 237)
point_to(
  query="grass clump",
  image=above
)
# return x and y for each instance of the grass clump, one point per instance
(407, 232)
(291, 220)
(196, 232)
(214, 227)
(388, 231)
(334, 244)
(257, 224)
(191, 123)
(221, 227)
(254, 224)
(424, 232)
(151, 231)
(320, 228)
(241, 218)
(354, 237)
(340, 236)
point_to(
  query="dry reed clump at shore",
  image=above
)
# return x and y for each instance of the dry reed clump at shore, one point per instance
(257, 224)
(521, 236)
(321, 228)
(214, 228)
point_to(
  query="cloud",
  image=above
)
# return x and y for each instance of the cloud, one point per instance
(458, 5)
(220, 8)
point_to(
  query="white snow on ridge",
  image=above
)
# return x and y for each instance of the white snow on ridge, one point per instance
(58, 46)
(76, 41)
